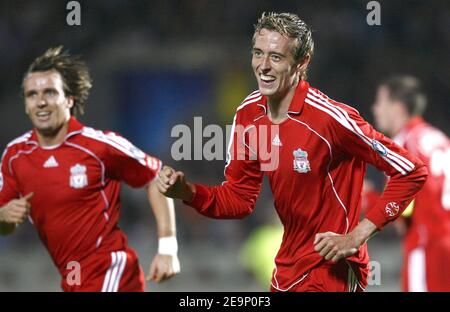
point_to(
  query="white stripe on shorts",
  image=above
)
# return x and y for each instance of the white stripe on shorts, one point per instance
(115, 271)
(416, 271)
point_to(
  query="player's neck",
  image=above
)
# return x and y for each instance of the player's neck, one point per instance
(54, 138)
(279, 106)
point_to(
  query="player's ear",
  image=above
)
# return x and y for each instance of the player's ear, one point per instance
(27, 111)
(70, 102)
(303, 64)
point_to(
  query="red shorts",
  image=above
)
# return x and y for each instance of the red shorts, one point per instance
(105, 272)
(340, 277)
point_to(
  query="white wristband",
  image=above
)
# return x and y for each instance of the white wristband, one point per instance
(168, 246)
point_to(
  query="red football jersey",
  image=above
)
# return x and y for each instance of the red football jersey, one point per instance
(431, 212)
(316, 175)
(76, 186)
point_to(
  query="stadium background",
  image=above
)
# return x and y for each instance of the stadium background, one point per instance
(156, 64)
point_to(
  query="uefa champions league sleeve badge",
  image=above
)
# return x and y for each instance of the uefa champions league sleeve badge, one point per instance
(379, 148)
(301, 162)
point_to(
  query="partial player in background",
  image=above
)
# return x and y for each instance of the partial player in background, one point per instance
(66, 178)
(398, 108)
(318, 150)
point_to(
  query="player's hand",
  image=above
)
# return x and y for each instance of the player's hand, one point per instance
(173, 184)
(334, 246)
(17, 210)
(163, 267)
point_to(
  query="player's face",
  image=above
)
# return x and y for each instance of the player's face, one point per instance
(385, 110)
(273, 63)
(45, 101)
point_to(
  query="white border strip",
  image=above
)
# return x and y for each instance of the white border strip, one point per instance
(115, 271)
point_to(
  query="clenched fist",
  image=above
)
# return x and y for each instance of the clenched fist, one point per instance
(16, 211)
(163, 267)
(173, 184)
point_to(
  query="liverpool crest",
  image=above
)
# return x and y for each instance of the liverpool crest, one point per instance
(78, 176)
(301, 162)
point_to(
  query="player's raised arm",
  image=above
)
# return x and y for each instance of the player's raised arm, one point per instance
(234, 199)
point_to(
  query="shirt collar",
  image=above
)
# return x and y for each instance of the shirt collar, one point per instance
(74, 127)
(412, 123)
(298, 100)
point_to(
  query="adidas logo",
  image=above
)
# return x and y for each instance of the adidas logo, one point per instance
(51, 163)
(276, 141)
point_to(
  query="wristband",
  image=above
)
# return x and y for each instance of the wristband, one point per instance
(168, 246)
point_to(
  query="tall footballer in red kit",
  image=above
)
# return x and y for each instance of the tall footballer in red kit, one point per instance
(398, 107)
(316, 172)
(66, 178)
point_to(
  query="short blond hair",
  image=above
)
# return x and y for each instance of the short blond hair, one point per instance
(289, 25)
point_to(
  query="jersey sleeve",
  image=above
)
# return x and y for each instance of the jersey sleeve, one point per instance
(126, 162)
(8, 185)
(407, 174)
(236, 197)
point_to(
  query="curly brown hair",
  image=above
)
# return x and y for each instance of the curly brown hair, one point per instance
(73, 70)
(289, 25)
